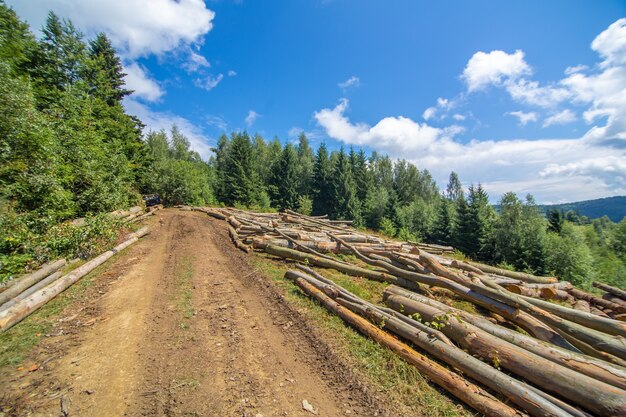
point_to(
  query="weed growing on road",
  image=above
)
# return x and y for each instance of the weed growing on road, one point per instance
(184, 273)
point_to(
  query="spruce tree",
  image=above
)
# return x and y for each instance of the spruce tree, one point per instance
(239, 178)
(322, 192)
(305, 164)
(443, 230)
(454, 190)
(284, 182)
(346, 203)
(105, 73)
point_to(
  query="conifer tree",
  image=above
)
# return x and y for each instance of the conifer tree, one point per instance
(305, 164)
(346, 203)
(105, 71)
(284, 182)
(322, 191)
(239, 177)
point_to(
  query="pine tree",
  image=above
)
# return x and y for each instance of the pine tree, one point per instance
(443, 230)
(346, 203)
(105, 71)
(305, 166)
(239, 177)
(284, 183)
(322, 192)
(362, 176)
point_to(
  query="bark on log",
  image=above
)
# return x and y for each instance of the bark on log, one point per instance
(595, 368)
(348, 269)
(612, 290)
(582, 305)
(588, 393)
(467, 392)
(512, 274)
(235, 238)
(25, 282)
(584, 318)
(582, 295)
(614, 299)
(43, 283)
(522, 319)
(24, 308)
(611, 345)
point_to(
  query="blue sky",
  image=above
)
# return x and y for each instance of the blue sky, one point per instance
(521, 96)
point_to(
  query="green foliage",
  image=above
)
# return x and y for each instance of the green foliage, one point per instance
(305, 205)
(387, 227)
(284, 181)
(322, 172)
(567, 258)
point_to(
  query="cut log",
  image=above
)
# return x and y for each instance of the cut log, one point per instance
(595, 368)
(593, 299)
(611, 290)
(529, 323)
(235, 238)
(29, 280)
(588, 393)
(583, 317)
(24, 308)
(41, 284)
(348, 269)
(512, 274)
(467, 392)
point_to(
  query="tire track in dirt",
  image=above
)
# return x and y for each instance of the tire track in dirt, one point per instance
(189, 332)
(182, 325)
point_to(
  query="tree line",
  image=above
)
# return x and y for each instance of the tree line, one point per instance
(68, 149)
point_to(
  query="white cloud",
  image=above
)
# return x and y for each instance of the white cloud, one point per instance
(610, 168)
(530, 92)
(574, 69)
(611, 44)
(350, 82)
(251, 117)
(392, 134)
(216, 121)
(196, 62)
(458, 117)
(561, 118)
(524, 118)
(156, 121)
(209, 82)
(484, 69)
(232, 73)
(138, 80)
(136, 27)
(440, 110)
(429, 113)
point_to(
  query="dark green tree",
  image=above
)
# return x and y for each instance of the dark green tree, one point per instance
(284, 182)
(346, 203)
(322, 187)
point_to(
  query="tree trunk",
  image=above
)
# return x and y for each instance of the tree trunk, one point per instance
(24, 308)
(512, 274)
(591, 394)
(348, 269)
(467, 392)
(595, 368)
(29, 280)
(612, 290)
(582, 295)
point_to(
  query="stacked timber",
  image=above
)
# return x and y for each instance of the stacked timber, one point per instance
(528, 344)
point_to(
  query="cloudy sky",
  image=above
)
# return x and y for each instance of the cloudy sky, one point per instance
(520, 96)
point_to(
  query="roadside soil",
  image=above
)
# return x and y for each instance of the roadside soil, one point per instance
(181, 324)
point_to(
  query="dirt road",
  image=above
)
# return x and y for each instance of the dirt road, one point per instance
(182, 325)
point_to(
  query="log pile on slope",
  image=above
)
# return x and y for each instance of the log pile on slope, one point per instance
(540, 357)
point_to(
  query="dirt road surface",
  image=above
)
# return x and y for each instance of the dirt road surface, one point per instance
(182, 325)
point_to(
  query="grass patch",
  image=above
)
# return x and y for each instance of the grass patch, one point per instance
(397, 380)
(184, 273)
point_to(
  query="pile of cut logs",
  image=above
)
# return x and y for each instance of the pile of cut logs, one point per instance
(22, 296)
(531, 345)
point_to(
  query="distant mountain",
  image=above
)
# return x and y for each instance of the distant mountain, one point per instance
(613, 207)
